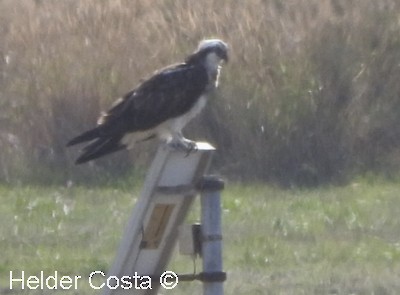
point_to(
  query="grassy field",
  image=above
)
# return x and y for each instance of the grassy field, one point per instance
(311, 84)
(332, 240)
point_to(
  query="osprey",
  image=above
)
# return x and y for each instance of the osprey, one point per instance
(159, 107)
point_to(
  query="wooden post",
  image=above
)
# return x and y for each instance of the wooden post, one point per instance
(211, 235)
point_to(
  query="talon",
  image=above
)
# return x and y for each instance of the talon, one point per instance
(192, 147)
(185, 145)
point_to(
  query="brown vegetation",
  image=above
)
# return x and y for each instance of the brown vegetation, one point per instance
(311, 93)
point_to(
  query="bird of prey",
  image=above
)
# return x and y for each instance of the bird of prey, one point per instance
(159, 107)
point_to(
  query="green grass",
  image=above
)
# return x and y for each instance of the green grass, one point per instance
(332, 240)
(339, 240)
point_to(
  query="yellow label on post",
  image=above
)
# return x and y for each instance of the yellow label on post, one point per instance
(156, 226)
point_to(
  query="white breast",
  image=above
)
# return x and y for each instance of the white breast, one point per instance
(169, 128)
(175, 125)
(180, 122)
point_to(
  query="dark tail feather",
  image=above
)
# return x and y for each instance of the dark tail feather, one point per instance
(100, 147)
(86, 136)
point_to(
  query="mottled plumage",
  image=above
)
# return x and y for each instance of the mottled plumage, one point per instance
(159, 107)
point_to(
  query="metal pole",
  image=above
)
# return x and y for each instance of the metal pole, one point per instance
(211, 235)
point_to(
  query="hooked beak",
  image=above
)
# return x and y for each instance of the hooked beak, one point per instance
(225, 56)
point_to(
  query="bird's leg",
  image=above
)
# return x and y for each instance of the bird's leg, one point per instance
(178, 142)
(191, 146)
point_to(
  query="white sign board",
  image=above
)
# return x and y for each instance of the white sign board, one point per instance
(152, 230)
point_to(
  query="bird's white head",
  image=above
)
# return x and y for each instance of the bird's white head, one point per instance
(211, 52)
(214, 52)
(214, 46)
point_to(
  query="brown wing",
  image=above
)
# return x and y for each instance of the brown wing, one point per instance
(166, 95)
